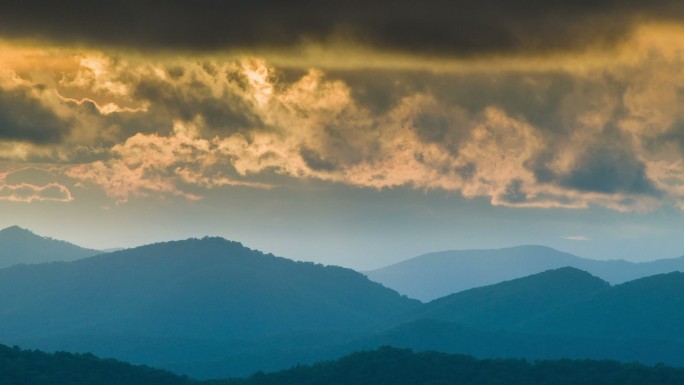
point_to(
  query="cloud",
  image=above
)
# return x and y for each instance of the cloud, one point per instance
(13, 189)
(557, 135)
(577, 238)
(28, 193)
(152, 164)
(437, 26)
(609, 168)
(193, 92)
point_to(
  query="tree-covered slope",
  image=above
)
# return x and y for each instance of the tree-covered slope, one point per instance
(26, 367)
(385, 365)
(403, 367)
(504, 305)
(646, 308)
(560, 313)
(212, 296)
(449, 337)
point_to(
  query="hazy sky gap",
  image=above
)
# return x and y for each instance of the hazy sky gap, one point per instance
(317, 134)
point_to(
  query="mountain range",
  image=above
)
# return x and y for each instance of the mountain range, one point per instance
(435, 275)
(561, 313)
(157, 304)
(214, 308)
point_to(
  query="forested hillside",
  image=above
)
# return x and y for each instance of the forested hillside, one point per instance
(384, 366)
(208, 307)
(390, 366)
(26, 367)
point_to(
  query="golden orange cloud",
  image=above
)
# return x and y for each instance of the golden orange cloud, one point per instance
(607, 128)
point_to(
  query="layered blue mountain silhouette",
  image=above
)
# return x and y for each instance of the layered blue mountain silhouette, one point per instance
(438, 274)
(214, 308)
(159, 303)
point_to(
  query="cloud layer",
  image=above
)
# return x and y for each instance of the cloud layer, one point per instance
(568, 132)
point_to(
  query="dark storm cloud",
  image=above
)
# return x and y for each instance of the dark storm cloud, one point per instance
(675, 135)
(314, 160)
(381, 90)
(437, 26)
(514, 193)
(431, 127)
(24, 118)
(610, 169)
(225, 114)
(536, 96)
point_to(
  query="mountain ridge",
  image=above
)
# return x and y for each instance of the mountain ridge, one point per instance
(649, 307)
(503, 305)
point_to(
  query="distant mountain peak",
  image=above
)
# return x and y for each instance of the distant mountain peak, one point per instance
(20, 234)
(507, 304)
(549, 280)
(198, 246)
(20, 245)
(566, 272)
(15, 230)
(556, 279)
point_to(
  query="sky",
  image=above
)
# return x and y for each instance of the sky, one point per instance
(353, 133)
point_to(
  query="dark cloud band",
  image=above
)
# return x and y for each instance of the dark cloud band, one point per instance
(436, 26)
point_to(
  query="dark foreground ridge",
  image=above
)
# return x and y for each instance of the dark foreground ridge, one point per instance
(393, 366)
(385, 365)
